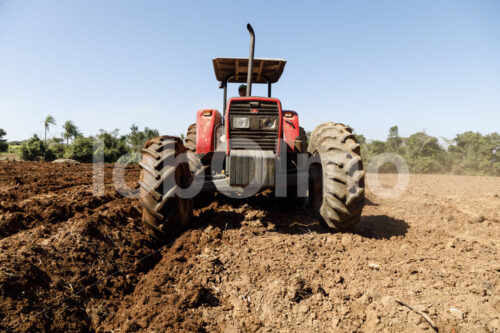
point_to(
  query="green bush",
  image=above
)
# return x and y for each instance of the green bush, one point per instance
(35, 150)
(425, 164)
(4, 146)
(136, 138)
(14, 149)
(476, 154)
(81, 149)
(469, 153)
(58, 150)
(110, 146)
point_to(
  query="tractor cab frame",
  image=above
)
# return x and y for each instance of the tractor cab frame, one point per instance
(235, 70)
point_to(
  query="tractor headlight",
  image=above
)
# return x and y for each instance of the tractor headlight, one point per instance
(267, 122)
(240, 122)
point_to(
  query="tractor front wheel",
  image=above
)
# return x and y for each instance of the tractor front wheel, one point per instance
(163, 173)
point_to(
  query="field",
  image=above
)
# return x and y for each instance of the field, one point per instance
(72, 261)
(9, 157)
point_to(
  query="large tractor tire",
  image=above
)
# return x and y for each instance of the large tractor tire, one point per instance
(191, 139)
(200, 199)
(164, 212)
(337, 177)
(195, 164)
(197, 168)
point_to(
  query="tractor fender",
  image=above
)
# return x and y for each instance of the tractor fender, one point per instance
(206, 120)
(290, 128)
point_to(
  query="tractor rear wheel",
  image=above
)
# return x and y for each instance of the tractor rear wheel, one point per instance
(190, 139)
(337, 176)
(198, 170)
(163, 173)
(196, 166)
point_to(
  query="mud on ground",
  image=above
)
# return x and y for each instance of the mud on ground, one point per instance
(71, 261)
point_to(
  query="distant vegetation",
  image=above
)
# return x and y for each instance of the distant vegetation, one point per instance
(3, 143)
(49, 120)
(469, 153)
(111, 146)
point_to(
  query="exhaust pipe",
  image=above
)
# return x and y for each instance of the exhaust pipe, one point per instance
(250, 60)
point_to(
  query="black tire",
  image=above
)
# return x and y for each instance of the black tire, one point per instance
(337, 177)
(190, 140)
(196, 166)
(164, 212)
(197, 169)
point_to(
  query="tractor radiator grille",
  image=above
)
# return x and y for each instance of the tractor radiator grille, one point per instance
(245, 107)
(254, 137)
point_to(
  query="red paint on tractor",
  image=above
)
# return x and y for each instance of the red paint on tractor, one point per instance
(261, 99)
(290, 129)
(206, 120)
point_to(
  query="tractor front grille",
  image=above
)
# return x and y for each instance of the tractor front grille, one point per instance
(265, 139)
(244, 107)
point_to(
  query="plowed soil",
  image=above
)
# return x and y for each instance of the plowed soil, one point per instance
(71, 261)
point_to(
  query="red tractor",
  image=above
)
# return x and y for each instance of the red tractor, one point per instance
(253, 145)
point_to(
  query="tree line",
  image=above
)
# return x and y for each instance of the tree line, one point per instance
(468, 153)
(72, 144)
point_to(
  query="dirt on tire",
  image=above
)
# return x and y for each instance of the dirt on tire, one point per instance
(74, 261)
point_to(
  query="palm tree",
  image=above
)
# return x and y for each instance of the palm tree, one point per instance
(48, 121)
(70, 130)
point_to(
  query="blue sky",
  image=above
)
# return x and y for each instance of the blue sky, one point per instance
(421, 65)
